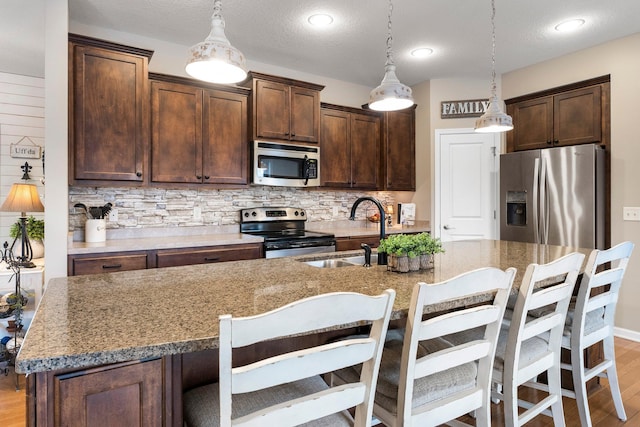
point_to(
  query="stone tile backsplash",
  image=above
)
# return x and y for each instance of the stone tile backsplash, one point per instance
(155, 207)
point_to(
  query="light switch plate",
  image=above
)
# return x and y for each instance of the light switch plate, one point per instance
(631, 214)
(113, 215)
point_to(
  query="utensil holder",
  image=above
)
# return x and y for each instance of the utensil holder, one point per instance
(95, 230)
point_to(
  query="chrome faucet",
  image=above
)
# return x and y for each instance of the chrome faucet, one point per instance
(382, 257)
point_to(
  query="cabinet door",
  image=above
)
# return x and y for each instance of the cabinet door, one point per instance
(365, 151)
(400, 149)
(533, 124)
(129, 395)
(305, 114)
(577, 116)
(225, 152)
(271, 110)
(176, 133)
(335, 150)
(109, 114)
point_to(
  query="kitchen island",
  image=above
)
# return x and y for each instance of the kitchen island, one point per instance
(148, 321)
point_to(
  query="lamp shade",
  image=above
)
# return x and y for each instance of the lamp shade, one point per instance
(214, 60)
(391, 95)
(494, 119)
(22, 198)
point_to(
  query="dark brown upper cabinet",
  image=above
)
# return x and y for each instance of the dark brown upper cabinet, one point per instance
(399, 145)
(284, 109)
(198, 133)
(108, 111)
(349, 148)
(570, 115)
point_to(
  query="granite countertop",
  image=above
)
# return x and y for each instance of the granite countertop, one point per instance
(98, 319)
(123, 240)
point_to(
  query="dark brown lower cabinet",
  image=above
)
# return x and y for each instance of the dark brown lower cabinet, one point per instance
(353, 242)
(125, 394)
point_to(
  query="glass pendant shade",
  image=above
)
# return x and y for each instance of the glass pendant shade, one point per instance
(494, 119)
(214, 60)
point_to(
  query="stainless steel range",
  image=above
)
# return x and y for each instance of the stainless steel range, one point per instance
(284, 231)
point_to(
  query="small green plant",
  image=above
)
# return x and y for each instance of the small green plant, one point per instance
(411, 245)
(35, 228)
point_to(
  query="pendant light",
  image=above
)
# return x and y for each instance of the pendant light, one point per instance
(214, 60)
(391, 95)
(494, 119)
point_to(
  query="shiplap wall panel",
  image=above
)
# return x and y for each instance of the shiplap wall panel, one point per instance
(21, 115)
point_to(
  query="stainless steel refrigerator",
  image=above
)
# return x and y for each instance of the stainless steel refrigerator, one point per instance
(554, 196)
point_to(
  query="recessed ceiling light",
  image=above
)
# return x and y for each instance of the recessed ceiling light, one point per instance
(569, 25)
(320, 19)
(421, 52)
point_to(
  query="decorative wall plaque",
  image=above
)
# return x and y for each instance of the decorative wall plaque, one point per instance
(463, 108)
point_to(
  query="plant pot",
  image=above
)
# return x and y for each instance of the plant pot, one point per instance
(402, 264)
(37, 248)
(414, 263)
(426, 261)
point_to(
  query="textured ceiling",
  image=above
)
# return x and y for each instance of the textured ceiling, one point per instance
(353, 48)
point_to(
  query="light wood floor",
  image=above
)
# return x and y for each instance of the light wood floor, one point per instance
(603, 414)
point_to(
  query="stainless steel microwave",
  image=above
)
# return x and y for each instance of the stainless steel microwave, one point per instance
(285, 165)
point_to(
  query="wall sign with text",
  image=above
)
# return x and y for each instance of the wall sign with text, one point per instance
(25, 149)
(464, 108)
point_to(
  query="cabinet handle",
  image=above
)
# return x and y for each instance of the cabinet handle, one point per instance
(199, 176)
(286, 133)
(206, 177)
(556, 142)
(106, 267)
(549, 142)
(212, 259)
(138, 174)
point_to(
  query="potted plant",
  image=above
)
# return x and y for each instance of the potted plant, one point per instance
(35, 232)
(410, 252)
(427, 247)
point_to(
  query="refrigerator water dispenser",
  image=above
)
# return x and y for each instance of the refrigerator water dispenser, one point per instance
(517, 208)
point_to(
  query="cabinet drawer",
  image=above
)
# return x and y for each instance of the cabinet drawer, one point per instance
(172, 258)
(108, 264)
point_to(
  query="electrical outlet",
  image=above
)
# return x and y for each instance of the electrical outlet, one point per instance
(631, 214)
(197, 213)
(113, 215)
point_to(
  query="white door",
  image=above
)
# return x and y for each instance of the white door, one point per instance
(466, 180)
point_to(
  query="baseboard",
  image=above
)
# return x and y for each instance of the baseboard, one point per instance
(627, 334)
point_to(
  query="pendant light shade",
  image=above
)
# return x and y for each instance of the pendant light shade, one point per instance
(494, 119)
(214, 60)
(391, 95)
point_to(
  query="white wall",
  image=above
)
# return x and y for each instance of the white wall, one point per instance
(56, 140)
(620, 59)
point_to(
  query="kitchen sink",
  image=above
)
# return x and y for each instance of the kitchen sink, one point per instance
(329, 263)
(341, 262)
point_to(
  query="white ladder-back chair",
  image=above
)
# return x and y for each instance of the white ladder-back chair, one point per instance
(425, 380)
(590, 320)
(530, 345)
(287, 389)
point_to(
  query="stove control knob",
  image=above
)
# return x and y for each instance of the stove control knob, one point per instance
(254, 214)
(246, 214)
(301, 213)
(296, 213)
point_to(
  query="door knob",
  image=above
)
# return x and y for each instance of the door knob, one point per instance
(446, 227)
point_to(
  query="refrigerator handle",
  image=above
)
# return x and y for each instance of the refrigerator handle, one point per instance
(536, 223)
(544, 203)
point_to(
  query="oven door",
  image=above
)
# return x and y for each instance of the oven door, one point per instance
(281, 248)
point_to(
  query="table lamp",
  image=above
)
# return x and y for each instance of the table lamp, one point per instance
(23, 198)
